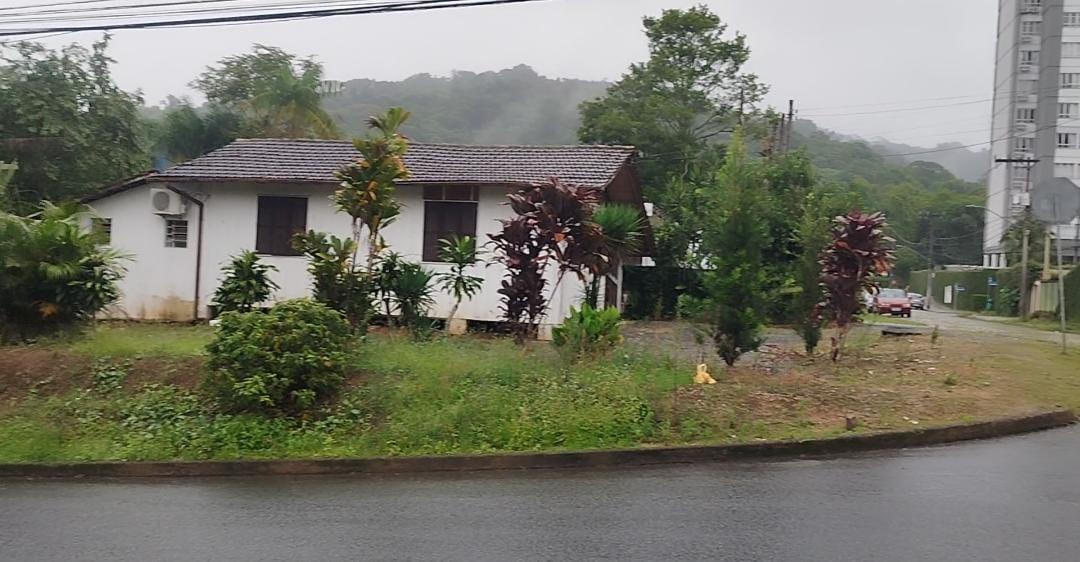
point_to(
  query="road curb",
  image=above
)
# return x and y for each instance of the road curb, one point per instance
(561, 460)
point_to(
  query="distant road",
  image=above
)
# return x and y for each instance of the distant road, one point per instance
(1011, 499)
(952, 322)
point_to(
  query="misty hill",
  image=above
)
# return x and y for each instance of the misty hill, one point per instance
(846, 160)
(519, 106)
(512, 106)
(970, 165)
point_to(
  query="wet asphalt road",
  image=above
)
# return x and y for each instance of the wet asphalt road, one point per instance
(1011, 499)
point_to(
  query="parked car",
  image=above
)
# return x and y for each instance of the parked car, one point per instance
(892, 301)
(918, 302)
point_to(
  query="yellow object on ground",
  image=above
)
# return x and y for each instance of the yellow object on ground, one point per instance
(702, 376)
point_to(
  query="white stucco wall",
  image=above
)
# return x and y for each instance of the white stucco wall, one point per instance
(160, 283)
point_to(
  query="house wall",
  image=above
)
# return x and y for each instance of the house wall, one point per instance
(160, 283)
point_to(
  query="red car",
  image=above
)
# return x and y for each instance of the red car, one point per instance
(892, 301)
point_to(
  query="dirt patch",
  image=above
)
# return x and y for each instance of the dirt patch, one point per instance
(891, 383)
(184, 372)
(30, 370)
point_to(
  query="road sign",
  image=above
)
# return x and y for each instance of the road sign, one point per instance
(1055, 201)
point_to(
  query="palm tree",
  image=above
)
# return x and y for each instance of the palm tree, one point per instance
(460, 253)
(290, 104)
(622, 229)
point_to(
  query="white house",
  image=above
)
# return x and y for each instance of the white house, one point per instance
(179, 226)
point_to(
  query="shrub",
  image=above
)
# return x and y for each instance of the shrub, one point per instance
(337, 283)
(587, 331)
(284, 360)
(247, 283)
(53, 272)
(859, 249)
(460, 253)
(412, 293)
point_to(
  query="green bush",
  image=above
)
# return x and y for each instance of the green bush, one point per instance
(53, 272)
(284, 360)
(246, 283)
(587, 331)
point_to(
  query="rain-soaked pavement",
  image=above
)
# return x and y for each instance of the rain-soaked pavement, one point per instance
(1010, 499)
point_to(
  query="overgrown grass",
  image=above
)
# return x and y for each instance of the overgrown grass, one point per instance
(1072, 325)
(113, 339)
(475, 395)
(446, 396)
(874, 319)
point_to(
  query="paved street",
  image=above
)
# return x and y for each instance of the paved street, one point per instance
(952, 322)
(1011, 499)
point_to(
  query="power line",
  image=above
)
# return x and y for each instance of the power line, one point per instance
(51, 4)
(389, 7)
(900, 110)
(188, 7)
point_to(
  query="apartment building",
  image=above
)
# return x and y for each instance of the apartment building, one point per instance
(1036, 113)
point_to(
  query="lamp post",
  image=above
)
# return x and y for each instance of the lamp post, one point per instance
(1023, 259)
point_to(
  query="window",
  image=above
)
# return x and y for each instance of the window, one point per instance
(1066, 170)
(1068, 110)
(102, 228)
(1023, 144)
(1066, 140)
(1032, 5)
(1071, 19)
(279, 219)
(448, 210)
(1029, 28)
(1025, 115)
(1070, 79)
(1070, 49)
(176, 233)
(1029, 57)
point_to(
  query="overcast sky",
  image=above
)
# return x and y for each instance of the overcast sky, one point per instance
(831, 56)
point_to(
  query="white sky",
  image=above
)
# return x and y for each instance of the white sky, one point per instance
(831, 56)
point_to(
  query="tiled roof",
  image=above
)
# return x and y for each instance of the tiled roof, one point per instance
(306, 160)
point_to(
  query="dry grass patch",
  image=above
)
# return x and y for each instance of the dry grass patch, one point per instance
(883, 384)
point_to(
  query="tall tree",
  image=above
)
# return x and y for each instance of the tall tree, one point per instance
(732, 240)
(65, 120)
(674, 105)
(279, 94)
(187, 132)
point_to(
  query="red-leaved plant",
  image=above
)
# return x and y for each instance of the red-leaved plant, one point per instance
(553, 223)
(859, 250)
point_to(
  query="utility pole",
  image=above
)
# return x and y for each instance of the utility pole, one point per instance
(930, 273)
(1023, 277)
(1027, 235)
(1048, 243)
(790, 124)
(1061, 292)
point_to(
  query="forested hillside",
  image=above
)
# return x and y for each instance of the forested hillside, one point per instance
(511, 106)
(917, 197)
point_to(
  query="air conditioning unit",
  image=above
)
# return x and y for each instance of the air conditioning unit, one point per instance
(166, 202)
(1027, 39)
(1026, 68)
(1021, 199)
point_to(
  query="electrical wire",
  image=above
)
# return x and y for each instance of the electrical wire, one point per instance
(183, 8)
(417, 5)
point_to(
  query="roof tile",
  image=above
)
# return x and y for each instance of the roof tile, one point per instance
(308, 160)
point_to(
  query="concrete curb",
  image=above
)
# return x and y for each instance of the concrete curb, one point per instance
(583, 459)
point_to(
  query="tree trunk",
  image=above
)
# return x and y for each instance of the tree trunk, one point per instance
(450, 317)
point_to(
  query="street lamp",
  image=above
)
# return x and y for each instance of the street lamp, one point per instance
(1023, 259)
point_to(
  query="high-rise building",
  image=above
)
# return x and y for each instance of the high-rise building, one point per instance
(1036, 113)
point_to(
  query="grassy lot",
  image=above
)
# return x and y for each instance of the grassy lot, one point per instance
(146, 340)
(131, 392)
(873, 319)
(1072, 325)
